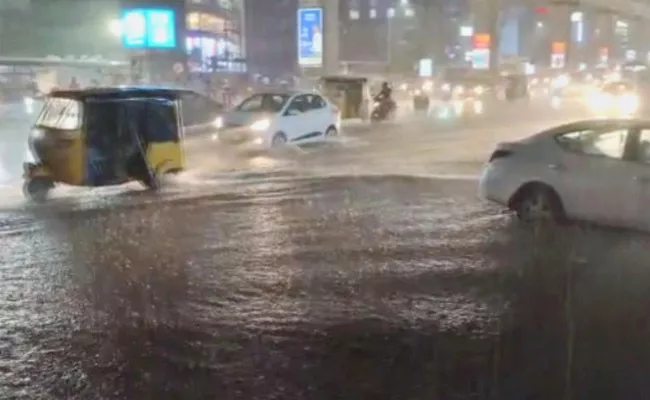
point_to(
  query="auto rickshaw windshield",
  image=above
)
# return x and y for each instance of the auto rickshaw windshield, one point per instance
(60, 113)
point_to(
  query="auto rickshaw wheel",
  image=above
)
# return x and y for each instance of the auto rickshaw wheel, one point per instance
(37, 189)
(154, 181)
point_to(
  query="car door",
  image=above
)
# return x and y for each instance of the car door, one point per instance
(640, 174)
(593, 174)
(295, 121)
(321, 114)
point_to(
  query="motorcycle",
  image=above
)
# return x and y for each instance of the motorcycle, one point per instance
(383, 110)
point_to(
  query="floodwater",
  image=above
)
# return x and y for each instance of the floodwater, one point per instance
(361, 269)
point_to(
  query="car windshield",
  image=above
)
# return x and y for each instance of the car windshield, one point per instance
(60, 113)
(264, 102)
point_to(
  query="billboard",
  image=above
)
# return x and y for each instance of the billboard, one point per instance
(310, 37)
(149, 28)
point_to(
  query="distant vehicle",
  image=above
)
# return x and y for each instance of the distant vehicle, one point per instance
(273, 119)
(594, 170)
(615, 99)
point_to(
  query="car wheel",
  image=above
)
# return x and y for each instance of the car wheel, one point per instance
(279, 139)
(539, 203)
(331, 131)
(37, 189)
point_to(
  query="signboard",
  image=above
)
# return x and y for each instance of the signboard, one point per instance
(149, 29)
(557, 60)
(310, 37)
(481, 41)
(425, 68)
(558, 48)
(481, 59)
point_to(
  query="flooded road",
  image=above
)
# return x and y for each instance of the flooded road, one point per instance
(364, 268)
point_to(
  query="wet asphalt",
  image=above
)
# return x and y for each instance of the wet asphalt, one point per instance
(363, 268)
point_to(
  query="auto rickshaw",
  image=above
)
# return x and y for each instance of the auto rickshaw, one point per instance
(104, 136)
(350, 94)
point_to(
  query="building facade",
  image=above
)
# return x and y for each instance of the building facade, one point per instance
(271, 31)
(215, 36)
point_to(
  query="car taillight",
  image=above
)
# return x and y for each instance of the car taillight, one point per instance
(500, 154)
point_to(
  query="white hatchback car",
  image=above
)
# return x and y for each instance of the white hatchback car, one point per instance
(276, 118)
(596, 171)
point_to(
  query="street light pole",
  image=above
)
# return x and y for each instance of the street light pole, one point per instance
(494, 28)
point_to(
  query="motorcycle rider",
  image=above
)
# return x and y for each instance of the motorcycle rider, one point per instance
(384, 98)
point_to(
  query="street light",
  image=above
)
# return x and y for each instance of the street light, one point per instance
(115, 27)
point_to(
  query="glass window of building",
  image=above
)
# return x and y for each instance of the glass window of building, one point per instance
(354, 9)
(205, 22)
(226, 4)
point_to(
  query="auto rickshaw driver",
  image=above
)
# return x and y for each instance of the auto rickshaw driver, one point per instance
(104, 136)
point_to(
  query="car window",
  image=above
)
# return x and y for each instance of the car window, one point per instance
(265, 102)
(198, 110)
(608, 143)
(299, 104)
(316, 102)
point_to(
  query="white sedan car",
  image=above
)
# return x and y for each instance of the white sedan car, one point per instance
(276, 118)
(596, 171)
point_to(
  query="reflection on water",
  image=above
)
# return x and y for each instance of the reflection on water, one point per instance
(356, 287)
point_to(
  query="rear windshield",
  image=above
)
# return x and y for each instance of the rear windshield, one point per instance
(60, 113)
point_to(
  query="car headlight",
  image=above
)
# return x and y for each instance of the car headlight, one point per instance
(218, 123)
(261, 125)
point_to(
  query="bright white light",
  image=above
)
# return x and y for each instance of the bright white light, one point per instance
(601, 102)
(261, 125)
(390, 13)
(29, 105)
(628, 104)
(115, 27)
(576, 16)
(404, 3)
(466, 31)
(218, 123)
(540, 24)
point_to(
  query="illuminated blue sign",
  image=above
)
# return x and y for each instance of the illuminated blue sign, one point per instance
(149, 29)
(310, 37)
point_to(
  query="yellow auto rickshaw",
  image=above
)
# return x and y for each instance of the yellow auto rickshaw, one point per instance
(350, 94)
(104, 136)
